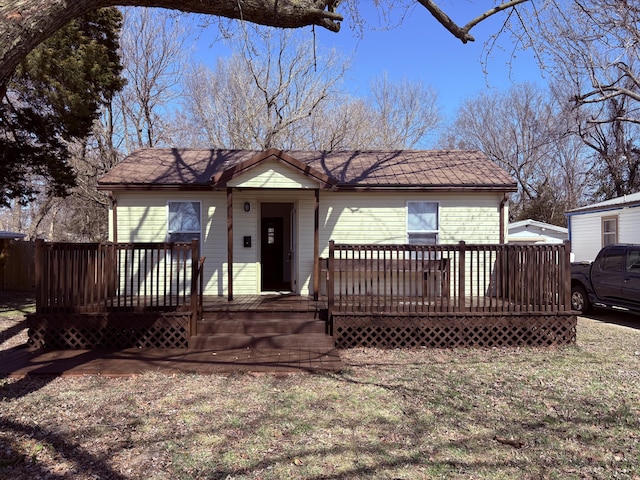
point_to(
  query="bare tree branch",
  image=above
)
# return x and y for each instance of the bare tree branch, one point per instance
(462, 33)
(493, 11)
(26, 23)
(604, 94)
(614, 119)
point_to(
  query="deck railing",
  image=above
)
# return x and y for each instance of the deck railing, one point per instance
(404, 279)
(98, 277)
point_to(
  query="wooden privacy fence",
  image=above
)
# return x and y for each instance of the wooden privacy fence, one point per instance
(17, 267)
(423, 279)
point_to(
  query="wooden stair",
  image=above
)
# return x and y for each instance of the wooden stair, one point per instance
(262, 330)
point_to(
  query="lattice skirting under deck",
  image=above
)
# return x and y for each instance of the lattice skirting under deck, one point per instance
(455, 331)
(108, 330)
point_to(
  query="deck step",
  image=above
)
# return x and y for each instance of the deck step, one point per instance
(261, 327)
(262, 315)
(315, 341)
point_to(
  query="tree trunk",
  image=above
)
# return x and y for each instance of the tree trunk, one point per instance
(26, 23)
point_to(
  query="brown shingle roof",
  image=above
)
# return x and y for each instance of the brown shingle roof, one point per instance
(426, 169)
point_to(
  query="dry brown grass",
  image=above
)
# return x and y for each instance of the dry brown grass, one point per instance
(402, 414)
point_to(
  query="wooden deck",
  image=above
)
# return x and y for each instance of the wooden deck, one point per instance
(27, 362)
(274, 333)
(120, 296)
(267, 321)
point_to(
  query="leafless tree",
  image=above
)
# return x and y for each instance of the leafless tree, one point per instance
(615, 149)
(403, 112)
(593, 47)
(153, 48)
(341, 123)
(592, 50)
(523, 132)
(280, 91)
(259, 97)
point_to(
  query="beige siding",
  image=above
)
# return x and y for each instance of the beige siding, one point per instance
(273, 174)
(142, 217)
(357, 217)
(381, 218)
(473, 217)
(246, 271)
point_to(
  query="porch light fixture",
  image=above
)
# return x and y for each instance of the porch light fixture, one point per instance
(247, 206)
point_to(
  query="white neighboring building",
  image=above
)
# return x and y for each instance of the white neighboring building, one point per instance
(11, 235)
(613, 221)
(532, 231)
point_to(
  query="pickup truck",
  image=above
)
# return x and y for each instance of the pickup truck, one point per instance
(611, 281)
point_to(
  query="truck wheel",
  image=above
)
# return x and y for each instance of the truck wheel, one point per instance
(579, 299)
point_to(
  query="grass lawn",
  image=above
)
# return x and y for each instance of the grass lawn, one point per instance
(561, 413)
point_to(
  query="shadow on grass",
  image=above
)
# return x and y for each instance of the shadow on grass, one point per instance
(19, 302)
(441, 432)
(14, 461)
(435, 429)
(12, 331)
(623, 319)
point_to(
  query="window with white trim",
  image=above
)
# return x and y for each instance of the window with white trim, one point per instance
(609, 230)
(184, 221)
(423, 223)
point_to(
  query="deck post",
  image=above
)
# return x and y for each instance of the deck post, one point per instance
(195, 270)
(230, 243)
(39, 273)
(316, 245)
(461, 277)
(330, 279)
(114, 216)
(566, 277)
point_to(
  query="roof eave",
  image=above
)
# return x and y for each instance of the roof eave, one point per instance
(338, 187)
(429, 188)
(152, 186)
(603, 208)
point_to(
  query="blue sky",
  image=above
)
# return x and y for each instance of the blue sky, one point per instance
(421, 49)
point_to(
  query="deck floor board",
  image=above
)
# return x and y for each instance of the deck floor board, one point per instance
(23, 362)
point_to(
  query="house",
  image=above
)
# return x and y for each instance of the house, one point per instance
(264, 219)
(372, 248)
(532, 231)
(593, 226)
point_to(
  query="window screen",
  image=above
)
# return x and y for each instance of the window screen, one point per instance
(422, 223)
(609, 230)
(184, 221)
